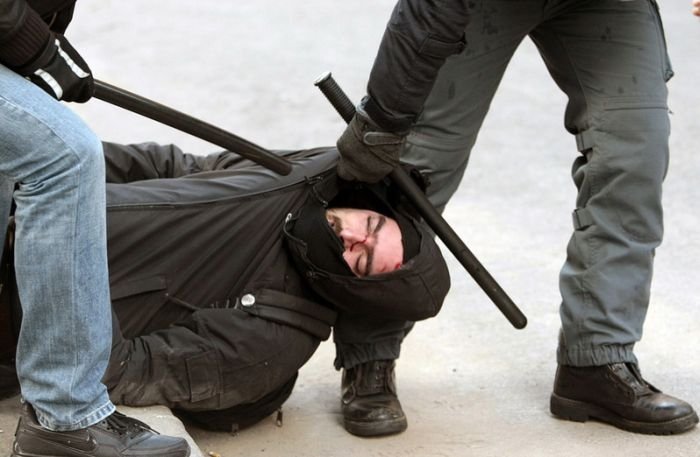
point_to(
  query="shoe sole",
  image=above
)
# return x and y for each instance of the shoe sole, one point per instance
(579, 411)
(45, 455)
(20, 454)
(389, 427)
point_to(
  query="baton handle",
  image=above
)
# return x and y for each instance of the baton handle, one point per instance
(188, 124)
(342, 103)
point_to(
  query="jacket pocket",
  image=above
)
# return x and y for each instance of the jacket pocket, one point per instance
(203, 383)
(138, 302)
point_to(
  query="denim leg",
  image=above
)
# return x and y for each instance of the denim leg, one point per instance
(609, 57)
(60, 254)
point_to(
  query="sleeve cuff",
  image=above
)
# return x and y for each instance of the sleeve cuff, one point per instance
(398, 125)
(27, 43)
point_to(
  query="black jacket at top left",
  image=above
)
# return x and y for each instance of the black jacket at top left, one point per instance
(26, 26)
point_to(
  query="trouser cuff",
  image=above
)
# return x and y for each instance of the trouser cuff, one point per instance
(350, 355)
(595, 355)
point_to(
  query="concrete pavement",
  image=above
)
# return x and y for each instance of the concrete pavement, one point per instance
(471, 385)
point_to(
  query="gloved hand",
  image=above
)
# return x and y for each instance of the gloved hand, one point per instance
(366, 152)
(61, 72)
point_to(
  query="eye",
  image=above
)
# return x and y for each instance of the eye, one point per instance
(360, 266)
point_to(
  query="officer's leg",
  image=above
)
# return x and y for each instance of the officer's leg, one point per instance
(439, 145)
(442, 139)
(609, 58)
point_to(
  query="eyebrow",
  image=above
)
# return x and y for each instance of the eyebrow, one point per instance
(337, 224)
(370, 251)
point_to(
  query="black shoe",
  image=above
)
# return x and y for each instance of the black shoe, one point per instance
(117, 435)
(370, 404)
(618, 395)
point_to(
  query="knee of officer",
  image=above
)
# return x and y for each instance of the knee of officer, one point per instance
(626, 158)
(630, 138)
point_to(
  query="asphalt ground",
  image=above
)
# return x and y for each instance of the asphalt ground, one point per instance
(470, 383)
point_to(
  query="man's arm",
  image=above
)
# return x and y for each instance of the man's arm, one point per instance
(696, 7)
(420, 36)
(138, 162)
(418, 39)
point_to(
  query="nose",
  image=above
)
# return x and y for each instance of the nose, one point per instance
(351, 238)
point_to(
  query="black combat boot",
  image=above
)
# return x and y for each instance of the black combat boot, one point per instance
(618, 395)
(116, 436)
(370, 404)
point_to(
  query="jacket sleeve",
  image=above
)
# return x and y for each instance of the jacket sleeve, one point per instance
(419, 37)
(23, 34)
(138, 162)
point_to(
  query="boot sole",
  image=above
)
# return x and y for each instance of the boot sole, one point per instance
(389, 427)
(579, 411)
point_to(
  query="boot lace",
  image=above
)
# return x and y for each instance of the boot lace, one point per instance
(632, 377)
(125, 425)
(372, 377)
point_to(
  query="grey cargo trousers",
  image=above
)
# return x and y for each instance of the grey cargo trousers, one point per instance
(609, 57)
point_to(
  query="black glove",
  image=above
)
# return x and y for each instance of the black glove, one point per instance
(366, 152)
(61, 72)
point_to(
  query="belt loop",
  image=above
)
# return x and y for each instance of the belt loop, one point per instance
(582, 218)
(584, 140)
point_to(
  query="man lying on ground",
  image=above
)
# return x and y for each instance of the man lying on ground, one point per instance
(225, 277)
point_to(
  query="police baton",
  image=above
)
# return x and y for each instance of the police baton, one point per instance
(188, 124)
(342, 103)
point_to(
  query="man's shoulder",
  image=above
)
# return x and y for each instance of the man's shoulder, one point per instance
(241, 179)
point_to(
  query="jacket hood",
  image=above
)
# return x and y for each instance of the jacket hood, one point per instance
(413, 292)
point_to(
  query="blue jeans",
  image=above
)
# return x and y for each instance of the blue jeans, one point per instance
(609, 58)
(52, 164)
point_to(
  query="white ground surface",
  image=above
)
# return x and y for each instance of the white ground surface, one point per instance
(470, 384)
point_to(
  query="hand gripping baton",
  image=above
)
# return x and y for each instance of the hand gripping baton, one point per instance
(188, 124)
(442, 229)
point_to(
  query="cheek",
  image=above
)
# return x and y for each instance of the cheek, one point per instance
(350, 259)
(387, 260)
